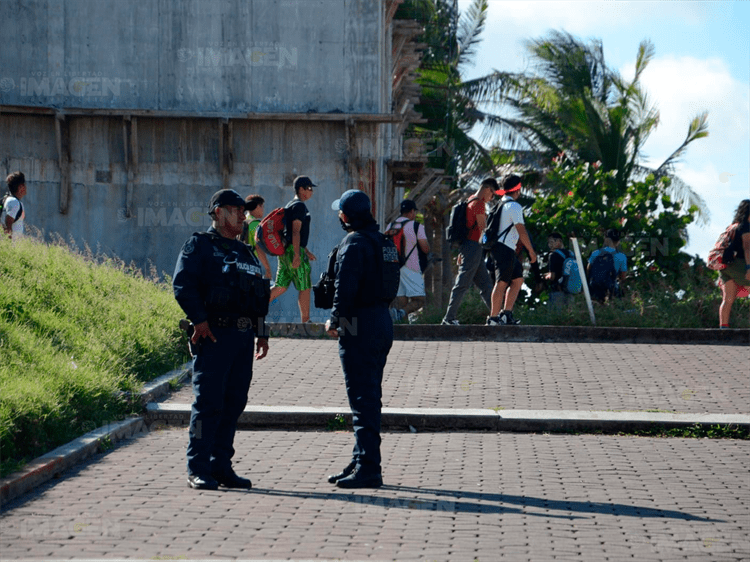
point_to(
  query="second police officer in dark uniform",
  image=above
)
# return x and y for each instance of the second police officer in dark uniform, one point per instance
(365, 285)
(219, 284)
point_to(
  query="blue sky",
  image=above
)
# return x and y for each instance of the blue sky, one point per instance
(701, 63)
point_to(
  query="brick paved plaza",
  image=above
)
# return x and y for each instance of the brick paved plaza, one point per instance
(448, 496)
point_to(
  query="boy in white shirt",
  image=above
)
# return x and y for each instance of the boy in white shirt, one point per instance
(508, 269)
(13, 212)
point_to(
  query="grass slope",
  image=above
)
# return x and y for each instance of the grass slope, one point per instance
(78, 334)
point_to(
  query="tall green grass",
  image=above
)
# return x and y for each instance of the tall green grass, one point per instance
(79, 334)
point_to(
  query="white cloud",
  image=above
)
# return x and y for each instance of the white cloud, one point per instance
(682, 87)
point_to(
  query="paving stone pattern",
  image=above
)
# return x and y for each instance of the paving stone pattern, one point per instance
(524, 376)
(448, 497)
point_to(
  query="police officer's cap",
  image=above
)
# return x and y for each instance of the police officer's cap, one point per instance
(352, 203)
(225, 197)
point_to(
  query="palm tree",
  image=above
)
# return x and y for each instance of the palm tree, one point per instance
(450, 113)
(573, 103)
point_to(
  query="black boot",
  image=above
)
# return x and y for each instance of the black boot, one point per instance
(333, 478)
(361, 479)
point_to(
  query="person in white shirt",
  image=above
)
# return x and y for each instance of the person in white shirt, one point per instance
(508, 269)
(13, 211)
(411, 291)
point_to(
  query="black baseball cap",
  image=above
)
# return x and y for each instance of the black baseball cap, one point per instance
(225, 197)
(303, 181)
(408, 205)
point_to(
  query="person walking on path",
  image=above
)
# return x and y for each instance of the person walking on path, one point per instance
(734, 280)
(508, 269)
(218, 284)
(13, 213)
(411, 292)
(254, 212)
(294, 263)
(471, 268)
(558, 298)
(363, 325)
(607, 268)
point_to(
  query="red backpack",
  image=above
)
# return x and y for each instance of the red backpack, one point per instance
(270, 234)
(720, 256)
(395, 233)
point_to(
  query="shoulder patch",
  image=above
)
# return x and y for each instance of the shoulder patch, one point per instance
(189, 247)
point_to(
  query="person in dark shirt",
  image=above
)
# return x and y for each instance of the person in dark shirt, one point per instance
(735, 279)
(361, 321)
(219, 284)
(294, 263)
(556, 258)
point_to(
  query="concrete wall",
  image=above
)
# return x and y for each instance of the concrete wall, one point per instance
(177, 174)
(196, 55)
(195, 58)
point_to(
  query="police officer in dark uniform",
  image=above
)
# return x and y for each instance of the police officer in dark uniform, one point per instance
(219, 284)
(361, 321)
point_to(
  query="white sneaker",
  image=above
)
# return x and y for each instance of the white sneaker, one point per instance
(449, 322)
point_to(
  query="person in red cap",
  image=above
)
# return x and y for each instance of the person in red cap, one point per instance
(508, 269)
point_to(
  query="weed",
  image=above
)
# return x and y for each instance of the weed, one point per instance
(338, 423)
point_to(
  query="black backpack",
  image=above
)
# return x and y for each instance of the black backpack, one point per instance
(2, 206)
(491, 234)
(390, 267)
(458, 229)
(324, 289)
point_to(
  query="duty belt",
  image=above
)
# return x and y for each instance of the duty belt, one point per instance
(242, 323)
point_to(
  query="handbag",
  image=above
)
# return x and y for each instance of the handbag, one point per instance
(325, 288)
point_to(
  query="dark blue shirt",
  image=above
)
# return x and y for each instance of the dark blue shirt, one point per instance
(359, 280)
(215, 279)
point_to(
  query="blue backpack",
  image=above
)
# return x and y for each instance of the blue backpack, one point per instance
(571, 276)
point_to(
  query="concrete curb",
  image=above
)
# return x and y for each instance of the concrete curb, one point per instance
(50, 465)
(563, 334)
(447, 419)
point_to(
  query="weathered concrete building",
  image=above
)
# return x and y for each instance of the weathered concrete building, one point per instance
(126, 116)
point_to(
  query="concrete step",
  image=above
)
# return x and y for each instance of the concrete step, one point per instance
(164, 416)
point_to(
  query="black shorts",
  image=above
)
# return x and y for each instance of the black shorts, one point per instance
(507, 265)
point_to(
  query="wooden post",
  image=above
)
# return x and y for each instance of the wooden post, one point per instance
(62, 136)
(226, 156)
(130, 147)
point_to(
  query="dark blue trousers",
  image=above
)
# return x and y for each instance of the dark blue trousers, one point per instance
(363, 349)
(222, 372)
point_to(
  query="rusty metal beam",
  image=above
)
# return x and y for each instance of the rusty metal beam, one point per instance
(92, 112)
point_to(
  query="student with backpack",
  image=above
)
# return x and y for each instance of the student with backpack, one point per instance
(294, 262)
(734, 276)
(253, 214)
(409, 238)
(606, 269)
(12, 213)
(505, 228)
(470, 256)
(564, 278)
